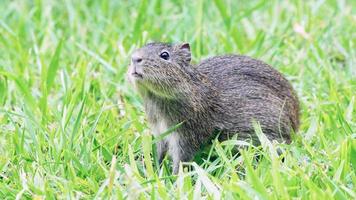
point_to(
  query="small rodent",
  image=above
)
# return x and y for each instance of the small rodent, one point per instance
(222, 94)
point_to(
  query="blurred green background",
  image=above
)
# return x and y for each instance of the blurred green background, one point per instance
(70, 126)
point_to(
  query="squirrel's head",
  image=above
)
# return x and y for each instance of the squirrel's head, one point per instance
(161, 68)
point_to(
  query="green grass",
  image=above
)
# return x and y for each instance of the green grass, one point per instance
(71, 127)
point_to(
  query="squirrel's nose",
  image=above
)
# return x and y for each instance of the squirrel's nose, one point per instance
(136, 59)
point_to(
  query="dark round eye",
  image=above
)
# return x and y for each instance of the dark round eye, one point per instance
(164, 55)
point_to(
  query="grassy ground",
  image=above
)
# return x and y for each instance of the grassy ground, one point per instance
(70, 126)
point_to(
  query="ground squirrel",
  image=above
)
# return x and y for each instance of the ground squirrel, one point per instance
(222, 94)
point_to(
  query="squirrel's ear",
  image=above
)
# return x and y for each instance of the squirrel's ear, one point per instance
(185, 47)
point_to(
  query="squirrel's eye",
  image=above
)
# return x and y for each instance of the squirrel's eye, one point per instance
(164, 55)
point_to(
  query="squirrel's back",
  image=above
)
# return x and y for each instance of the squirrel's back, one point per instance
(249, 89)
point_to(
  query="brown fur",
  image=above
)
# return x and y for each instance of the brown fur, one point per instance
(222, 93)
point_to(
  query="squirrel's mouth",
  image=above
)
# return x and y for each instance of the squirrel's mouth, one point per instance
(136, 75)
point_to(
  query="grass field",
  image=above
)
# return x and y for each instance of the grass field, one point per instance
(72, 128)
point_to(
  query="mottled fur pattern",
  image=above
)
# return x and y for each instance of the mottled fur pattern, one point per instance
(221, 94)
